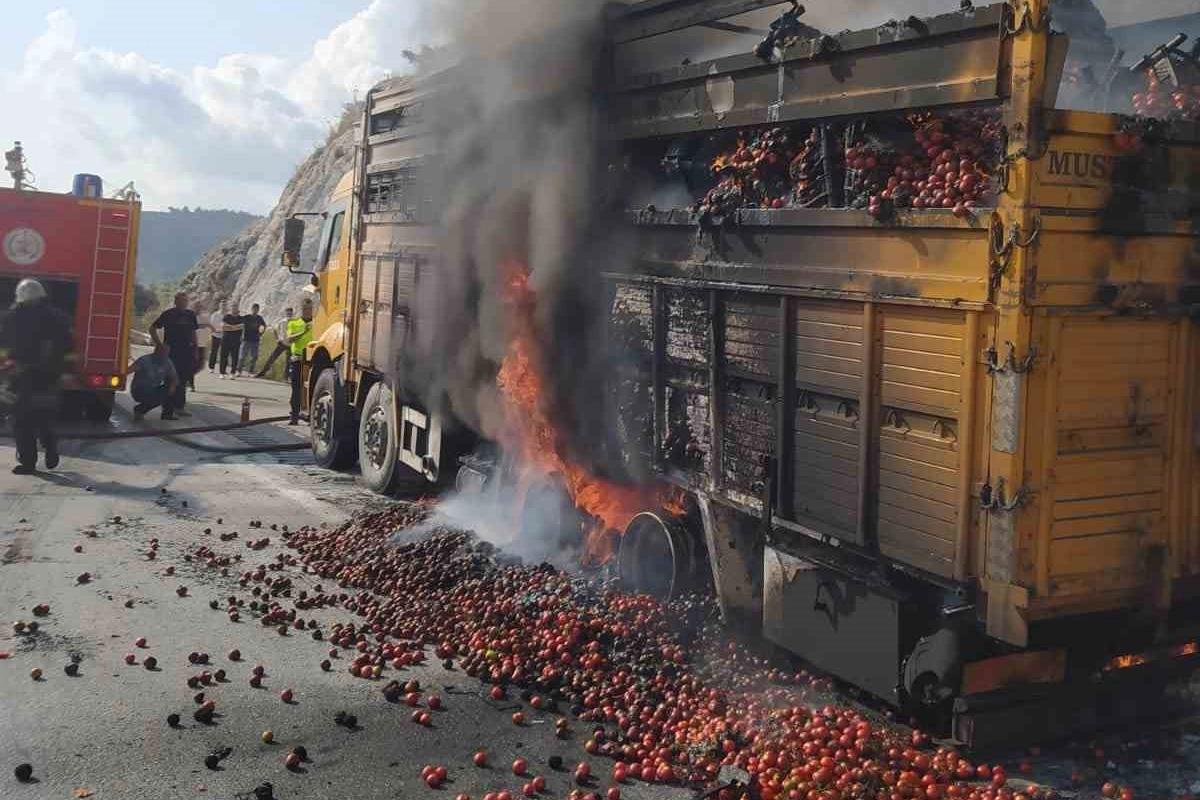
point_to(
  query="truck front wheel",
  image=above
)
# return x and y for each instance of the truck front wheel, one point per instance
(379, 440)
(332, 438)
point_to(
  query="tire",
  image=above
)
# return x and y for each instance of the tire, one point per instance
(379, 441)
(333, 439)
(98, 407)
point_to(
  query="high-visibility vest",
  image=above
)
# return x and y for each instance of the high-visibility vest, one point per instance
(296, 326)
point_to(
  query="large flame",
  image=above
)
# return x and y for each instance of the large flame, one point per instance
(539, 445)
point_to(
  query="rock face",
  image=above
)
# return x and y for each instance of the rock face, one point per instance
(245, 268)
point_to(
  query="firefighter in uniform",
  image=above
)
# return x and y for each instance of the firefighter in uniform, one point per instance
(299, 334)
(35, 348)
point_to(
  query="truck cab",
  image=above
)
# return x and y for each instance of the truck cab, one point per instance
(358, 407)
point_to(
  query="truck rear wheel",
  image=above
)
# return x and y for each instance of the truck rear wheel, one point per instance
(379, 440)
(98, 406)
(333, 440)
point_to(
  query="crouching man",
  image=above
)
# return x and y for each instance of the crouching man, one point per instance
(154, 381)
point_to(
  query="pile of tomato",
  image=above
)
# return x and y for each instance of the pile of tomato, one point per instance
(661, 689)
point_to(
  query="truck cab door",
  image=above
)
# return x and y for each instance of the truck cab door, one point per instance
(332, 268)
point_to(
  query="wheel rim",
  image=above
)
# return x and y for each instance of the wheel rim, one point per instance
(375, 438)
(322, 420)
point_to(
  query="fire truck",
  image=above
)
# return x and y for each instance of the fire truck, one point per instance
(931, 393)
(83, 248)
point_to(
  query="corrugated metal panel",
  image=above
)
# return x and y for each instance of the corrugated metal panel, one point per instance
(687, 441)
(384, 308)
(1108, 480)
(369, 271)
(632, 324)
(829, 347)
(922, 359)
(631, 333)
(751, 342)
(749, 440)
(750, 353)
(921, 375)
(918, 491)
(825, 458)
(687, 326)
(406, 281)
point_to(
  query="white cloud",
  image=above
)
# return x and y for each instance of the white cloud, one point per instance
(222, 135)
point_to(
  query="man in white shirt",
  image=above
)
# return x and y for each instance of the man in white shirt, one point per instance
(215, 322)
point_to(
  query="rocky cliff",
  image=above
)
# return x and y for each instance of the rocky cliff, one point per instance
(246, 267)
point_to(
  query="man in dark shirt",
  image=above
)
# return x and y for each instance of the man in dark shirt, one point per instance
(35, 348)
(178, 326)
(252, 330)
(154, 383)
(231, 341)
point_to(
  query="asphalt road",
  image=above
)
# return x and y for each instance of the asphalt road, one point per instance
(104, 734)
(105, 731)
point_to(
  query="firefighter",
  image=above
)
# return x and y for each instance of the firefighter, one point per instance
(299, 334)
(35, 348)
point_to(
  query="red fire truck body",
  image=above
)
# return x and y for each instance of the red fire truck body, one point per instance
(84, 251)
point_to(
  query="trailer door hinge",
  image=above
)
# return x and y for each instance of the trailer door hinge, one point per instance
(1010, 363)
(993, 499)
(1001, 247)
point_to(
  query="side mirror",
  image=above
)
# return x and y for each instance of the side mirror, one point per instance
(293, 240)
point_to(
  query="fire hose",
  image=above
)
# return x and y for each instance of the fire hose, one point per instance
(176, 435)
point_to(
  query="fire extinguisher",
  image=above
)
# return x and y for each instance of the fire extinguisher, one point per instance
(245, 409)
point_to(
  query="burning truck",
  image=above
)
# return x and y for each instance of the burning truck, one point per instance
(874, 332)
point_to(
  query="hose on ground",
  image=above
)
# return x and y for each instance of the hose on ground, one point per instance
(240, 451)
(176, 435)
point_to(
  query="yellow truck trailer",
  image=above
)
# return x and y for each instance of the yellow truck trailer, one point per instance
(942, 447)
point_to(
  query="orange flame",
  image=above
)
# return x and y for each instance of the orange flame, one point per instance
(1189, 649)
(539, 444)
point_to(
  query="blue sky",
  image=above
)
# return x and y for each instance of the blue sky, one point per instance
(210, 103)
(181, 34)
(215, 102)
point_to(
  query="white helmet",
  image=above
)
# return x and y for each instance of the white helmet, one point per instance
(30, 291)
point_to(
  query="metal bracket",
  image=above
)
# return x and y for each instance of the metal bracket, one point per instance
(805, 402)
(943, 431)
(1023, 19)
(1010, 363)
(992, 500)
(897, 421)
(1010, 158)
(1001, 247)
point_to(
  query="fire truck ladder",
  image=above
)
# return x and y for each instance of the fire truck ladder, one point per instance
(97, 271)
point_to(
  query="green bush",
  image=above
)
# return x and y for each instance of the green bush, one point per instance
(279, 368)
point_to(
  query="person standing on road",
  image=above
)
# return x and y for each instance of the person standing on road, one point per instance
(252, 330)
(201, 348)
(216, 325)
(281, 345)
(231, 341)
(179, 326)
(155, 383)
(35, 349)
(299, 334)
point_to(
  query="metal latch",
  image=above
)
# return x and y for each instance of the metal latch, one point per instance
(1011, 363)
(1000, 247)
(992, 499)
